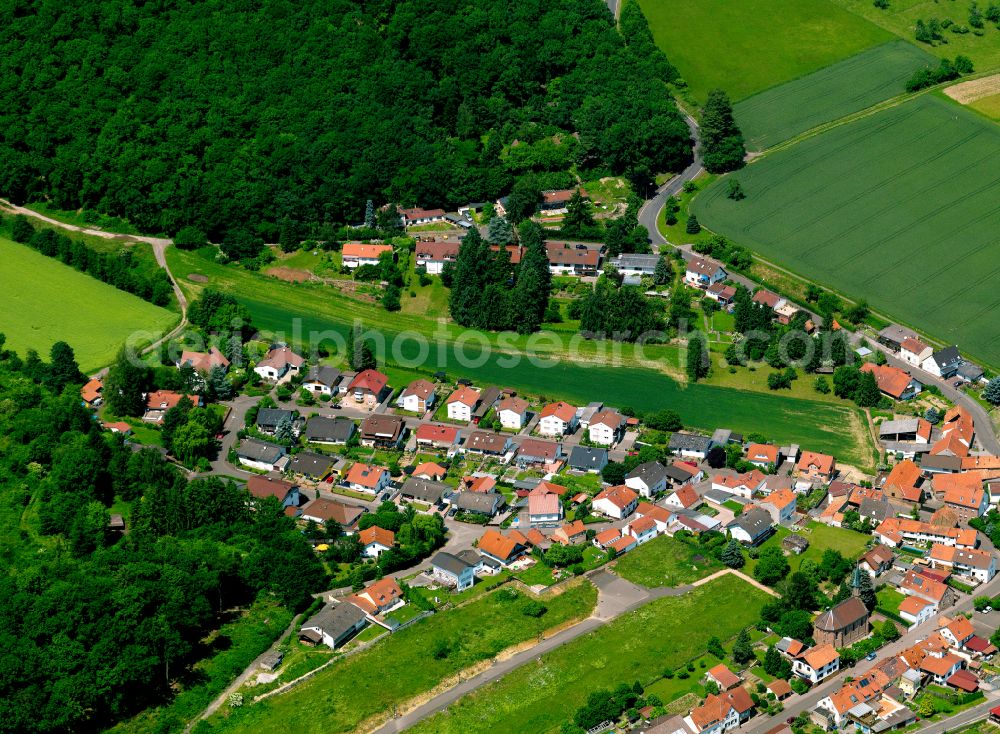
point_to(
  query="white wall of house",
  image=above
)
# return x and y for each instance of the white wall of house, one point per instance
(511, 419)
(459, 412)
(802, 669)
(261, 465)
(601, 434)
(373, 550)
(317, 387)
(552, 425)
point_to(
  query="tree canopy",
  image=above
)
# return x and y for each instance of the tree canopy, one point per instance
(186, 115)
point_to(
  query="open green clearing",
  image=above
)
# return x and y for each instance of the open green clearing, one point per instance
(638, 646)
(821, 537)
(902, 15)
(44, 301)
(295, 310)
(403, 665)
(665, 561)
(989, 106)
(747, 46)
(901, 208)
(851, 85)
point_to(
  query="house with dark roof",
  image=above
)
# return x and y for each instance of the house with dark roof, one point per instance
(422, 490)
(416, 397)
(479, 503)
(702, 272)
(894, 335)
(383, 431)
(690, 445)
(268, 420)
(330, 431)
(259, 454)
(588, 458)
(312, 465)
(322, 511)
(535, 452)
(751, 527)
(322, 380)
(487, 442)
(648, 478)
(453, 571)
(333, 625)
(944, 363)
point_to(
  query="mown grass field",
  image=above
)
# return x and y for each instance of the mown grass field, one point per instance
(402, 666)
(901, 207)
(821, 537)
(295, 310)
(747, 46)
(851, 85)
(989, 106)
(639, 646)
(44, 301)
(902, 15)
(665, 561)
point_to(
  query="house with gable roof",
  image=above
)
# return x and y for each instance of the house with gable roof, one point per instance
(557, 419)
(279, 362)
(417, 397)
(618, 502)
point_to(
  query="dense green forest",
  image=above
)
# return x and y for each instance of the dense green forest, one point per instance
(96, 626)
(223, 115)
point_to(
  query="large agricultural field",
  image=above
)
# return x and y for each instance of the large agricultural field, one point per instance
(901, 208)
(851, 85)
(44, 301)
(371, 683)
(636, 647)
(747, 46)
(296, 309)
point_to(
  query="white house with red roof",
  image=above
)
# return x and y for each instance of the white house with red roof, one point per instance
(702, 272)
(376, 541)
(462, 403)
(618, 502)
(557, 419)
(643, 529)
(367, 478)
(762, 454)
(437, 436)
(355, 254)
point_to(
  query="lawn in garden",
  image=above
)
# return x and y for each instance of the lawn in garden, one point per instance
(666, 561)
(851, 85)
(407, 663)
(44, 301)
(821, 537)
(639, 646)
(744, 47)
(901, 208)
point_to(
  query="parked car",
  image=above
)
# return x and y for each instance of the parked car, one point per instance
(871, 656)
(986, 610)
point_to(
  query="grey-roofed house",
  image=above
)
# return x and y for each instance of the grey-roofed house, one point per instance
(941, 464)
(269, 418)
(534, 451)
(902, 429)
(259, 454)
(322, 380)
(676, 476)
(333, 431)
(588, 412)
(943, 363)
(721, 436)
(423, 490)
(480, 503)
(479, 562)
(313, 465)
(453, 571)
(752, 527)
(588, 458)
(690, 445)
(635, 264)
(487, 399)
(333, 625)
(648, 478)
(876, 510)
(894, 335)
(970, 371)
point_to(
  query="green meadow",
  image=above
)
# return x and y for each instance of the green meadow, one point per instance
(901, 208)
(747, 46)
(639, 646)
(851, 85)
(44, 301)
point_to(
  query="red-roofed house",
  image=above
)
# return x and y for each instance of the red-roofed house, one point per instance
(512, 413)
(544, 509)
(762, 454)
(684, 498)
(368, 387)
(618, 502)
(160, 401)
(816, 467)
(903, 482)
(892, 381)
(278, 363)
(437, 436)
(623, 544)
(354, 254)
(606, 537)
(375, 541)
(557, 419)
(91, 392)
(462, 403)
(723, 677)
(642, 529)
(368, 478)
(430, 470)
(496, 546)
(203, 362)
(571, 533)
(381, 597)
(605, 428)
(780, 505)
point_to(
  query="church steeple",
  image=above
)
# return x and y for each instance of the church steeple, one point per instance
(856, 581)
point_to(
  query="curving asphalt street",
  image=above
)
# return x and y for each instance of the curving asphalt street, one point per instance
(651, 209)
